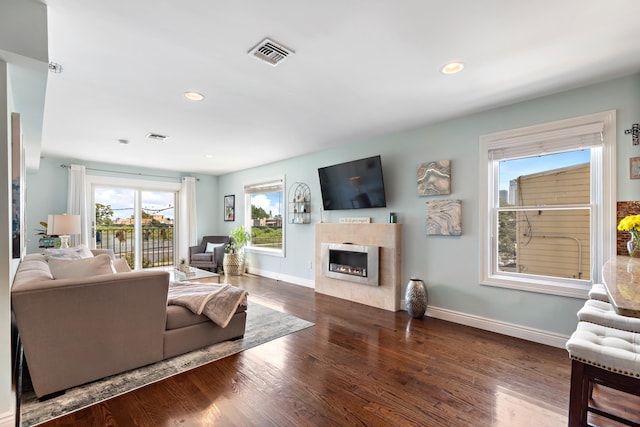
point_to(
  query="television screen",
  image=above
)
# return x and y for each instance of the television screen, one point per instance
(353, 185)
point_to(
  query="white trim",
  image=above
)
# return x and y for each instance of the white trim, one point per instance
(307, 283)
(8, 419)
(143, 184)
(518, 331)
(530, 284)
(265, 251)
(604, 229)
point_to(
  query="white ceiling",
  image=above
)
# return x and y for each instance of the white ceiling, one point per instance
(361, 68)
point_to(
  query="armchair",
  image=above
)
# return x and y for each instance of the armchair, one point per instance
(200, 258)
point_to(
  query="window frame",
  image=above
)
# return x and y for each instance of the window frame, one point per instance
(247, 216)
(603, 197)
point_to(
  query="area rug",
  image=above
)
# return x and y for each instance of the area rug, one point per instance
(263, 325)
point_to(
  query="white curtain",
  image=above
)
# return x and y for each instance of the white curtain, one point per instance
(187, 232)
(77, 203)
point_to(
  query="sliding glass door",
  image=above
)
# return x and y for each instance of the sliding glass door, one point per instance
(138, 224)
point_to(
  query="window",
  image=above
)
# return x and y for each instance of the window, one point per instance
(547, 205)
(264, 209)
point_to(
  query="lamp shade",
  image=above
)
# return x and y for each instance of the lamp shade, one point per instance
(63, 225)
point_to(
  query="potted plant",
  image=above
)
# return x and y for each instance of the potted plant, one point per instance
(46, 241)
(233, 262)
(183, 265)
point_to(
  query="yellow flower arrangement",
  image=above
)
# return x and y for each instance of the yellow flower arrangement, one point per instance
(631, 223)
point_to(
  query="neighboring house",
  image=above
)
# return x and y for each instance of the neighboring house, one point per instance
(554, 243)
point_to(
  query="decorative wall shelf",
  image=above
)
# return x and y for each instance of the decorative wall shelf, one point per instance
(299, 199)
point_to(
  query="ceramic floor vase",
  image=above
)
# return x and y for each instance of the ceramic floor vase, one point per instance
(416, 298)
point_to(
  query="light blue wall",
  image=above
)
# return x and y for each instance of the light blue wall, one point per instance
(47, 193)
(449, 265)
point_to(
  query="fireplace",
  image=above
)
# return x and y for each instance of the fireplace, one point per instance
(386, 241)
(352, 263)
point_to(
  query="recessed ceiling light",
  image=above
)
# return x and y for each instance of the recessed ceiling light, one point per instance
(209, 156)
(123, 141)
(194, 96)
(453, 67)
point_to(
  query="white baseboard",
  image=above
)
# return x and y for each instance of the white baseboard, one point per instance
(518, 331)
(307, 283)
(8, 419)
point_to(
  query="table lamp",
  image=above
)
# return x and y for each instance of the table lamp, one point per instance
(63, 226)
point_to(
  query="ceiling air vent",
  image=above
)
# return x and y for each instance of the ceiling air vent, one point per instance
(270, 52)
(157, 136)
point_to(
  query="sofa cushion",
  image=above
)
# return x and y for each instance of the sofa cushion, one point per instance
(35, 275)
(109, 252)
(77, 252)
(121, 265)
(77, 268)
(179, 317)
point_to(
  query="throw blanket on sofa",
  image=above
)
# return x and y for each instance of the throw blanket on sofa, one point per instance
(218, 302)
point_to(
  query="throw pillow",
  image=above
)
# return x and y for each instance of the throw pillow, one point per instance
(83, 267)
(212, 246)
(121, 265)
(76, 252)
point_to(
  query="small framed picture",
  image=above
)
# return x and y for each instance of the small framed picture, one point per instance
(230, 207)
(634, 168)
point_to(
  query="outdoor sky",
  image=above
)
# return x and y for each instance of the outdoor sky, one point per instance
(121, 201)
(270, 202)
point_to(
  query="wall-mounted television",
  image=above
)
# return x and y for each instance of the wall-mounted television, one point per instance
(357, 184)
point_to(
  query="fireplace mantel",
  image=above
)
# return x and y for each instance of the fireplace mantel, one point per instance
(389, 238)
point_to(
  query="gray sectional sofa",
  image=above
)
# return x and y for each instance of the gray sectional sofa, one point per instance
(77, 330)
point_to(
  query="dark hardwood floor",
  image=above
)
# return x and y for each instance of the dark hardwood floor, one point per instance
(357, 366)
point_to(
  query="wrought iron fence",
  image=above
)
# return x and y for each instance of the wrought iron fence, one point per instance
(157, 244)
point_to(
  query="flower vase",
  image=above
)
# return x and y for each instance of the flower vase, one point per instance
(633, 245)
(415, 298)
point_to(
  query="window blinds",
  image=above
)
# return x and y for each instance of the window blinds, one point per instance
(271, 186)
(555, 141)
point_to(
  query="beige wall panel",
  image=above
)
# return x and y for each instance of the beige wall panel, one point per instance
(386, 236)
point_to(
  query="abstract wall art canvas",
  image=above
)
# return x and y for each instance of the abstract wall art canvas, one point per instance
(444, 218)
(434, 178)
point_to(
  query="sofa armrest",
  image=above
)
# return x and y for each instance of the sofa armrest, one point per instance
(194, 250)
(79, 330)
(218, 255)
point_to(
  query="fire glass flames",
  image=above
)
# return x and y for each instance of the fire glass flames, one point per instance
(347, 269)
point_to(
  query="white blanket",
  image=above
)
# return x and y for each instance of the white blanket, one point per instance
(219, 302)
